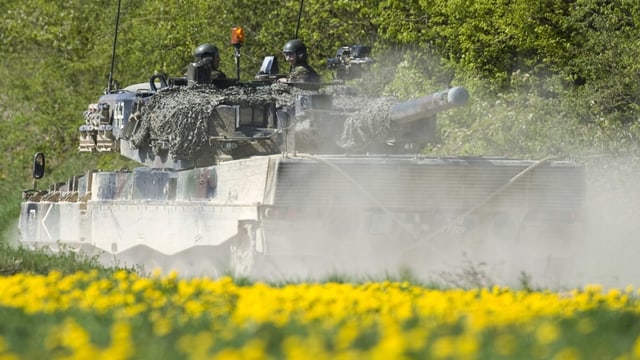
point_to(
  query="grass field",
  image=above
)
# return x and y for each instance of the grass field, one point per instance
(121, 315)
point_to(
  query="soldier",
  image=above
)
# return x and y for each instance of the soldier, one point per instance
(295, 52)
(208, 54)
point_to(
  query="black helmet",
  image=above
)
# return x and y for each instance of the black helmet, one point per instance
(298, 47)
(205, 50)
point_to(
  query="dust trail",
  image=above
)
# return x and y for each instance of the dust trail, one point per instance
(611, 248)
(604, 251)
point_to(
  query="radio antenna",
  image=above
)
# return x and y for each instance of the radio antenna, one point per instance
(299, 17)
(113, 51)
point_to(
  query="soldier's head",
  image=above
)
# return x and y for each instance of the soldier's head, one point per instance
(295, 52)
(207, 52)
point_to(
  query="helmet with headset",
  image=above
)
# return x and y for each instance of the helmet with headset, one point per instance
(298, 47)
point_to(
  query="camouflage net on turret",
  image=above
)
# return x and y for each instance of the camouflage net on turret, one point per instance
(367, 123)
(177, 119)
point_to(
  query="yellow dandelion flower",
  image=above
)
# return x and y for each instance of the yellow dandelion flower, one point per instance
(4, 351)
(297, 348)
(585, 326)
(466, 346)
(593, 289)
(3, 345)
(636, 348)
(569, 353)
(504, 344)
(121, 346)
(196, 346)
(253, 350)
(228, 354)
(156, 273)
(194, 308)
(443, 347)
(162, 326)
(547, 333)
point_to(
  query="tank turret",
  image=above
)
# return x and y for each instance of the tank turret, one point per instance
(183, 127)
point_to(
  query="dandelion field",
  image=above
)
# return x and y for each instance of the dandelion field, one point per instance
(87, 315)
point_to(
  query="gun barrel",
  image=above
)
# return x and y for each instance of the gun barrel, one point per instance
(427, 105)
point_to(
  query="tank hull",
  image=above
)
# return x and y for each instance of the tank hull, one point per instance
(300, 217)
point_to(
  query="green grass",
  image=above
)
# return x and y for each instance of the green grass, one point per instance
(18, 259)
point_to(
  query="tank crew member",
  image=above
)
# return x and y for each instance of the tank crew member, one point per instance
(209, 54)
(295, 52)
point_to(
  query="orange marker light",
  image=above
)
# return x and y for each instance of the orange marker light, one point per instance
(237, 35)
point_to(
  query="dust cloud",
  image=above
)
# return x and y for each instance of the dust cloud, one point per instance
(603, 248)
(609, 253)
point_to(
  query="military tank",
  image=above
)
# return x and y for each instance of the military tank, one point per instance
(281, 180)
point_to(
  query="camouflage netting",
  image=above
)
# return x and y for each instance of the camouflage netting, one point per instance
(367, 123)
(178, 118)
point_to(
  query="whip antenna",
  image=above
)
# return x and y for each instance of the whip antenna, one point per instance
(113, 51)
(297, 25)
(299, 16)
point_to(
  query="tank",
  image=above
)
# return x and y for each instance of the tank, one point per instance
(296, 181)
